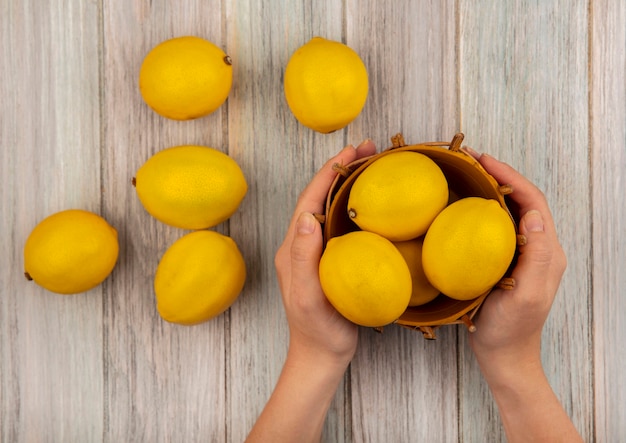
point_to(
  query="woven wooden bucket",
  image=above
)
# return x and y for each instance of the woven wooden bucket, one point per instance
(466, 178)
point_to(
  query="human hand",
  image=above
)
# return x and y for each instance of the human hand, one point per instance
(316, 328)
(321, 341)
(510, 322)
(507, 340)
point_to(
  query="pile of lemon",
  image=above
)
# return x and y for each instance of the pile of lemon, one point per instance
(193, 187)
(189, 187)
(415, 241)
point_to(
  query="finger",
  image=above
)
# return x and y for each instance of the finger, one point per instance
(306, 251)
(525, 194)
(537, 250)
(538, 263)
(313, 197)
(305, 247)
(365, 149)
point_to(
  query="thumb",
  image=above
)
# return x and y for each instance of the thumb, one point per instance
(534, 266)
(538, 248)
(306, 250)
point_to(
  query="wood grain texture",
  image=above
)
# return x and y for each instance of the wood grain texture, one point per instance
(537, 84)
(409, 50)
(162, 382)
(279, 156)
(608, 159)
(524, 99)
(403, 387)
(50, 344)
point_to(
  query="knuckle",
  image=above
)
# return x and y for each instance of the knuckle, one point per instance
(280, 259)
(560, 260)
(298, 252)
(304, 304)
(542, 254)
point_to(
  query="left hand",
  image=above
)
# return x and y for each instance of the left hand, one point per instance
(316, 328)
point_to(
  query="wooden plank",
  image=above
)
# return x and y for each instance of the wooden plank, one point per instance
(50, 345)
(404, 387)
(279, 156)
(163, 382)
(103, 366)
(409, 51)
(524, 99)
(608, 160)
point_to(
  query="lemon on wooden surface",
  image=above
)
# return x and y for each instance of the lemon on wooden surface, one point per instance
(199, 277)
(365, 278)
(423, 291)
(190, 187)
(398, 196)
(185, 78)
(469, 247)
(70, 251)
(326, 85)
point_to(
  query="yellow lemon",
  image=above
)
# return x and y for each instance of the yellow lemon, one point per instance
(325, 85)
(199, 277)
(185, 78)
(423, 291)
(469, 247)
(71, 251)
(365, 278)
(398, 196)
(190, 187)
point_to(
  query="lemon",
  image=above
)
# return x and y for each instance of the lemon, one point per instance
(71, 251)
(469, 247)
(423, 291)
(185, 78)
(325, 85)
(365, 278)
(199, 277)
(190, 187)
(398, 195)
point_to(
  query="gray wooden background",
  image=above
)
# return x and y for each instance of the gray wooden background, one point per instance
(539, 84)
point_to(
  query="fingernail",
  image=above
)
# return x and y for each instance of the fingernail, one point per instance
(533, 221)
(471, 152)
(345, 149)
(367, 140)
(306, 223)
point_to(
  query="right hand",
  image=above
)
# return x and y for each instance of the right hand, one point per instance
(510, 322)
